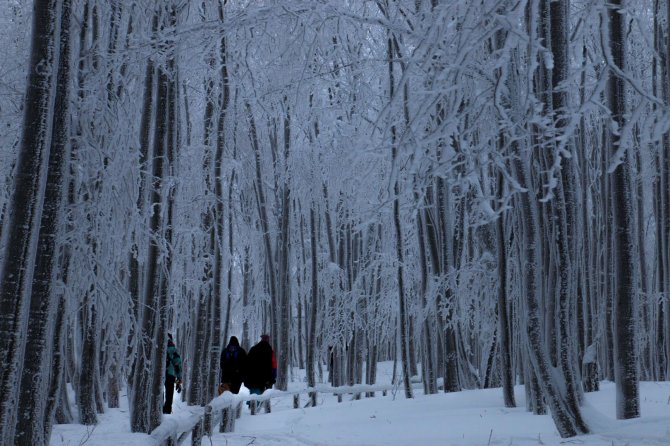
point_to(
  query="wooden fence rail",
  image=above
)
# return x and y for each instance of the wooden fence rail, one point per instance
(226, 408)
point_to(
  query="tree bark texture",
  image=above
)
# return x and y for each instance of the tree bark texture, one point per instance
(23, 235)
(625, 300)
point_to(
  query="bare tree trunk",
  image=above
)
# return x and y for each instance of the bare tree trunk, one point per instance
(428, 367)
(246, 283)
(86, 382)
(402, 314)
(606, 241)
(568, 423)
(57, 380)
(301, 280)
(564, 420)
(25, 210)
(313, 311)
(284, 274)
(506, 372)
(450, 376)
(564, 205)
(63, 413)
(145, 404)
(263, 216)
(664, 195)
(199, 362)
(142, 399)
(587, 279)
(34, 413)
(625, 325)
(204, 371)
(646, 355)
(135, 269)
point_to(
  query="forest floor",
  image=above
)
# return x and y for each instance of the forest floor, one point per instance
(468, 418)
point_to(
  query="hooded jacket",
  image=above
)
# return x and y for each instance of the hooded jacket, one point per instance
(233, 362)
(173, 361)
(261, 366)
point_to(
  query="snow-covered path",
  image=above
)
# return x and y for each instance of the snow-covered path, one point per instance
(466, 418)
(459, 419)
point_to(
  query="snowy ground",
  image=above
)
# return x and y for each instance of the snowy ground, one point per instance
(466, 418)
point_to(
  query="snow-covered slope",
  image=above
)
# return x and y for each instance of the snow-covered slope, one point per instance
(468, 418)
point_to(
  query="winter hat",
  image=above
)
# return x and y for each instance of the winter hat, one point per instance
(265, 337)
(234, 341)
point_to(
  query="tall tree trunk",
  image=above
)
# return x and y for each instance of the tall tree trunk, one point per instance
(283, 273)
(567, 422)
(204, 372)
(263, 215)
(135, 268)
(443, 208)
(539, 360)
(395, 171)
(145, 403)
(168, 191)
(63, 411)
(57, 383)
(88, 320)
(664, 195)
(625, 300)
(587, 276)
(301, 283)
(427, 356)
(506, 372)
(313, 308)
(199, 361)
(25, 208)
(34, 413)
(564, 205)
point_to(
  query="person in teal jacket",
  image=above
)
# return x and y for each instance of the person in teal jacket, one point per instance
(172, 374)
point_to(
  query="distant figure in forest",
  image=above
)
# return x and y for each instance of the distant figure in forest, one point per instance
(172, 374)
(233, 365)
(261, 367)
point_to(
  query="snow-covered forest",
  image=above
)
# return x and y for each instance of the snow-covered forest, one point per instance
(475, 190)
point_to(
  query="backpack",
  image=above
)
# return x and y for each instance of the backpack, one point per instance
(173, 362)
(230, 359)
(231, 356)
(169, 361)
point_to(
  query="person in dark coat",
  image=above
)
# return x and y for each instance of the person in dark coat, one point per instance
(261, 367)
(233, 365)
(172, 374)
